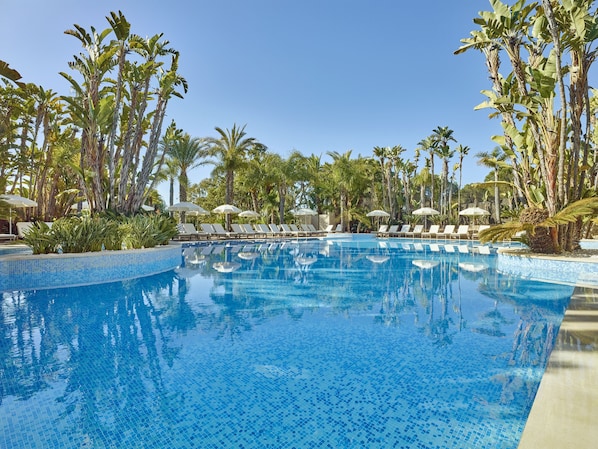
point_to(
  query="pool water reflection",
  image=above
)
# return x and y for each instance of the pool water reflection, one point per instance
(323, 343)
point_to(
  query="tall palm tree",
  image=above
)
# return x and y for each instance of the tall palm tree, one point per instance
(496, 161)
(342, 173)
(185, 154)
(230, 151)
(442, 135)
(462, 151)
(428, 144)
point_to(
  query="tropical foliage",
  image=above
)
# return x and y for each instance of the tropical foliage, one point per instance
(105, 144)
(91, 234)
(543, 102)
(101, 143)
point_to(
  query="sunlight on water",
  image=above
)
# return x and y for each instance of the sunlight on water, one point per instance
(314, 343)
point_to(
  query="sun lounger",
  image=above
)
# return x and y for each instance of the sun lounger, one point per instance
(221, 232)
(23, 227)
(209, 230)
(393, 229)
(461, 232)
(432, 232)
(239, 230)
(263, 229)
(382, 230)
(275, 230)
(417, 231)
(286, 231)
(187, 231)
(250, 231)
(311, 230)
(446, 232)
(401, 232)
(300, 232)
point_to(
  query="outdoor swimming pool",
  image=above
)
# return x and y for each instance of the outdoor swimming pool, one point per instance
(321, 343)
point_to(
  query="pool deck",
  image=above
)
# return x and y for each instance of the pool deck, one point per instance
(566, 406)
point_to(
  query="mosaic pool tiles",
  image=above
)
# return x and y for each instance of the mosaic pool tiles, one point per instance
(286, 359)
(551, 269)
(54, 270)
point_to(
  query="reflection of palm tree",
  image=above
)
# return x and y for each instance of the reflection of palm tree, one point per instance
(114, 341)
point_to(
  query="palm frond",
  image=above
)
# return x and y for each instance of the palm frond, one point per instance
(504, 231)
(587, 207)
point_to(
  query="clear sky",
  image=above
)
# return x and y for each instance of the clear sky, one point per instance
(307, 75)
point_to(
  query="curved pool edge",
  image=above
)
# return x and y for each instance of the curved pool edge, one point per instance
(31, 272)
(575, 271)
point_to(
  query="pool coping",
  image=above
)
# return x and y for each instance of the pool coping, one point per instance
(43, 271)
(564, 409)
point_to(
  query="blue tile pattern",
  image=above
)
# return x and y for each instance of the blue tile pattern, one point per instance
(58, 270)
(344, 344)
(551, 269)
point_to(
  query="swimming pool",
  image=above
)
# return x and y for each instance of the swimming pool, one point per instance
(321, 343)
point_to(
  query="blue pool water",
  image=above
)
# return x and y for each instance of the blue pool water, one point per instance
(309, 344)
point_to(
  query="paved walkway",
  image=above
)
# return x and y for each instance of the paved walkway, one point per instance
(565, 411)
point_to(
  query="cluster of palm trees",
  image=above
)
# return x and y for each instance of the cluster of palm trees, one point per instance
(345, 186)
(106, 142)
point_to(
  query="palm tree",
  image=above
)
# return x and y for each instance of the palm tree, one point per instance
(342, 172)
(185, 154)
(462, 151)
(230, 151)
(428, 144)
(494, 160)
(442, 135)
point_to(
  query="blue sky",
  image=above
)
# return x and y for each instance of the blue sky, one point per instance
(309, 75)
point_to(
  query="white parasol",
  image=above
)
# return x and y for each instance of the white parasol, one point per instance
(474, 212)
(249, 214)
(15, 202)
(425, 211)
(378, 213)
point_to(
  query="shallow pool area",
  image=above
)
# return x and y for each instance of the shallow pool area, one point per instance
(308, 343)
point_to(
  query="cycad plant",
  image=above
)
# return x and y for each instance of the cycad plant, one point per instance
(540, 230)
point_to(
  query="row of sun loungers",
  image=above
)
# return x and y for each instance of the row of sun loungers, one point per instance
(187, 231)
(448, 232)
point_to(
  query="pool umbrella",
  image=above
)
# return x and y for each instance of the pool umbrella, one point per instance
(196, 213)
(474, 212)
(425, 211)
(15, 202)
(249, 214)
(227, 210)
(378, 214)
(303, 212)
(187, 206)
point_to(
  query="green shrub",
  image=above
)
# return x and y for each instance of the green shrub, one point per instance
(109, 232)
(40, 239)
